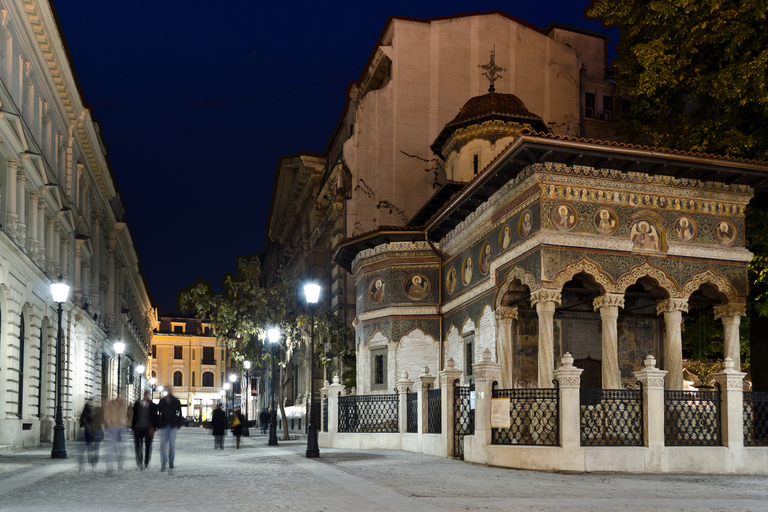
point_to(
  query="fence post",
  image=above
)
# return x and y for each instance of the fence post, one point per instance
(731, 383)
(422, 385)
(333, 405)
(486, 372)
(323, 396)
(447, 377)
(652, 380)
(569, 379)
(403, 386)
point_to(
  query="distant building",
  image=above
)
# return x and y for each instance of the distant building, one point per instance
(187, 356)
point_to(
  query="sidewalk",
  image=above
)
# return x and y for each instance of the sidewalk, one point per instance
(261, 477)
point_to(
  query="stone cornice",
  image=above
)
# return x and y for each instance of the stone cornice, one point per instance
(397, 311)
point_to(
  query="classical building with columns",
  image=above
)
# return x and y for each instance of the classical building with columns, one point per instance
(61, 215)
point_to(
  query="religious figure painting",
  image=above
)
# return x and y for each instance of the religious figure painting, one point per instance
(485, 258)
(505, 238)
(526, 223)
(466, 270)
(645, 236)
(705, 207)
(677, 205)
(646, 200)
(725, 232)
(564, 217)
(685, 228)
(450, 281)
(606, 221)
(376, 290)
(616, 197)
(600, 196)
(662, 202)
(552, 191)
(568, 193)
(584, 194)
(632, 201)
(416, 286)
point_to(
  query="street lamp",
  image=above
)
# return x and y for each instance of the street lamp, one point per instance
(233, 379)
(274, 338)
(312, 292)
(226, 400)
(246, 379)
(60, 292)
(119, 347)
(140, 370)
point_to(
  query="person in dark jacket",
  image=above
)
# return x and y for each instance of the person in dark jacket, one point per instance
(143, 424)
(219, 426)
(264, 420)
(238, 422)
(170, 419)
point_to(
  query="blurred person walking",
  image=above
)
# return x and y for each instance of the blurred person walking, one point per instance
(114, 421)
(264, 420)
(238, 422)
(143, 424)
(169, 410)
(219, 426)
(86, 423)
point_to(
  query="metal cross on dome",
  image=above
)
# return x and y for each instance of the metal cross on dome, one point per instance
(492, 70)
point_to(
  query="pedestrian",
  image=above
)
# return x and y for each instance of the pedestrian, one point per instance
(169, 410)
(98, 431)
(86, 423)
(114, 420)
(218, 425)
(237, 426)
(143, 424)
(264, 421)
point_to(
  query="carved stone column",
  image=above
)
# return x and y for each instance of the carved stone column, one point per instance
(423, 383)
(505, 344)
(10, 216)
(485, 372)
(731, 314)
(50, 258)
(404, 386)
(78, 288)
(652, 380)
(673, 340)
(21, 210)
(545, 301)
(609, 305)
(731, 382)
(58, 266)
(33, 198)
(447, 378)
(42, 243)
(96, 263)
(65, 270)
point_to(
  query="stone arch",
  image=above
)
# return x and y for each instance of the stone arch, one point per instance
(587, 266)
(415, 350)
(515, 273)
(716, 279)
(659, 275)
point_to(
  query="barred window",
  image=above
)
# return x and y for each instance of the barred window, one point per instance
(177, 379)
(379, 369)
(208, 380)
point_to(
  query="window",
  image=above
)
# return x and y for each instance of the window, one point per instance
(178, 329)
(626, 106)
(193, 379)
(608, 108)
(379, 369)
(208, 379)
(154, 351)
(379, 378)
(208, 355)
(193, 354)
(177, 352)
(469, 358)
(177, 379)
(476, 163)
(589, 105)
(207, 331)
(154, 374)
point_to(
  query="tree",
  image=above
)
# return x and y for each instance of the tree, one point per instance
(241, 315)
(696, 72)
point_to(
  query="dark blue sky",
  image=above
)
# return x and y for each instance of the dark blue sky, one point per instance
(197, 100)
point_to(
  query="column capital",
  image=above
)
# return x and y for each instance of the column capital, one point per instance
(13, 163)
(728, 378)
(672, 305)
(568, 376)
(506, 313)
(425, 380)
(609, 300)
(403, 384)
(450, 373)
(650, 376)
(732, 309)
(486, 370)
(544, 295)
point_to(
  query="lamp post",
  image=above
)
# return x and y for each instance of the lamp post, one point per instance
(119, 347)
(233, 379)
(246, 379)
(140, 370)
(274, 338)
(312, 292)
(60, 292)
(226, 399)
(152, 382)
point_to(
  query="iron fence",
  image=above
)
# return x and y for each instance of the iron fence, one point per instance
(434, 412)
(412, 410)
(534, 418)
(755, 418)
(612, 417)
(325, 414)
(368, 413)
(692, 418)
(463, 417)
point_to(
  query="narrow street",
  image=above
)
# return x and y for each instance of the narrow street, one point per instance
(260, 477)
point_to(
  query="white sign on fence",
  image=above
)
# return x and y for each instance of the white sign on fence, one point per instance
(472, 400)
(500, 413)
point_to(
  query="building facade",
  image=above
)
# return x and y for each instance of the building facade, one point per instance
(187, 357)
(61, 215)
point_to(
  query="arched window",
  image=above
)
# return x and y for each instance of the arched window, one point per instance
(154, 374)
(177, 379)
(208, 380)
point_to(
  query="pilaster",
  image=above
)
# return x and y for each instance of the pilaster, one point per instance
(505, 344)
(334, 390)
(403, 387)
(486, 372)
(652, 380)
(731, 382)
(423, 384)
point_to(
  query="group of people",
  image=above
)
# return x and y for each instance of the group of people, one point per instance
(219, 426)
(145, 418)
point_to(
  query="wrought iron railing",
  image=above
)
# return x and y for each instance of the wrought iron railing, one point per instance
(612, 417)
(692, 418)
(368, 413)
(463, 417)
(533, 417)
(325, 414)
(412, 409)
(434, 412)
(755, 418)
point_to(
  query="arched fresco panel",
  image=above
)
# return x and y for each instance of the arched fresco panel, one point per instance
(709, 276)
(519, 273)
(587, 266)
(648, 269)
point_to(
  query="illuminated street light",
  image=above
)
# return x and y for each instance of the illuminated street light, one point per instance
(119, 347)
(140, 370)
(246, 380)
(60, 292)
(274, 338)
(312, 293)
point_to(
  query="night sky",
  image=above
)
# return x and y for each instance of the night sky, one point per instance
(198, 100)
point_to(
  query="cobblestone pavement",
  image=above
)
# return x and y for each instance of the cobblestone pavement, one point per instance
(260, 477)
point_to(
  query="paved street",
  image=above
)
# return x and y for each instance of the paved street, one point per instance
(259, 477)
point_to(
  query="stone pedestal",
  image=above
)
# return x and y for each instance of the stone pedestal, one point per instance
(447, 379)
(404, 386)
(334, 391)
(731, 384)
(652, 380)
(486, 373)
(423, 384)
(569, 379)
